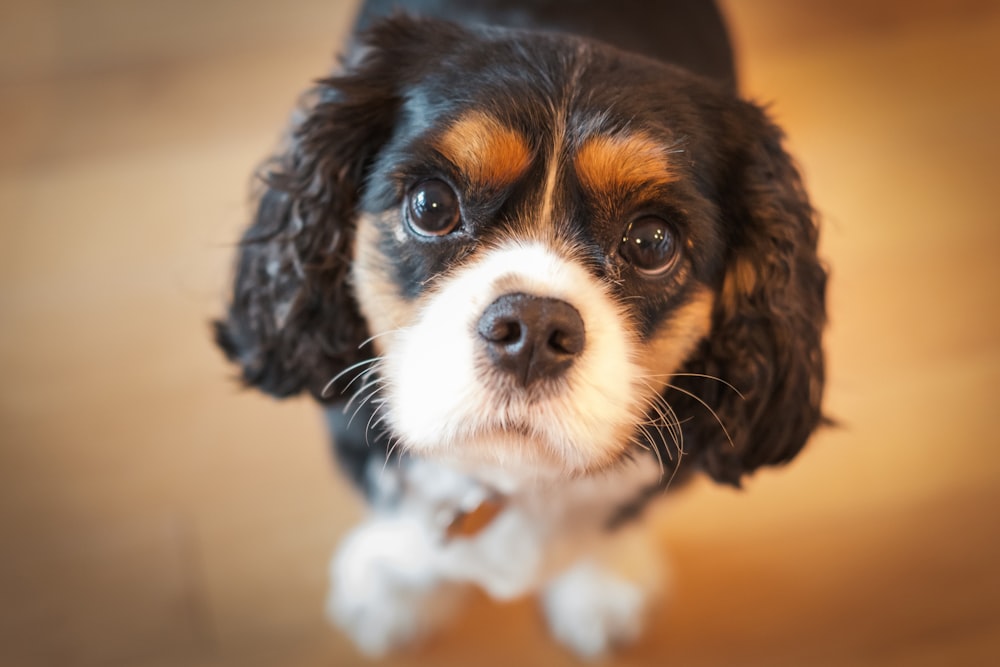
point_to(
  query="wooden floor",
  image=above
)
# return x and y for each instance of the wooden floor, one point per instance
(151, 514)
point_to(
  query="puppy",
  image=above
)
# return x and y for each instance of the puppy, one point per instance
(539, 263)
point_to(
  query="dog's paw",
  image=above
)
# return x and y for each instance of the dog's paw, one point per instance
(383, 593)
(379, 621)
(592, 611)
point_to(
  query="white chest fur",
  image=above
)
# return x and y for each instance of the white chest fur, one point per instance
(542, 527)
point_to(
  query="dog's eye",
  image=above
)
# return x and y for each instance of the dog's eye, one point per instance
(649, 245)
(432, 208)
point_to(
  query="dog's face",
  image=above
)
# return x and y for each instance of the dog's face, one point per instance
(542, 254)
(533, 259)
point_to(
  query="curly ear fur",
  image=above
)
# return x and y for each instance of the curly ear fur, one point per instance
(293, 323)
(768, 320)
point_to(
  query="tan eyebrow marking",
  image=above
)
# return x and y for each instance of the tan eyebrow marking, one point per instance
(486, 151)
(610, 164)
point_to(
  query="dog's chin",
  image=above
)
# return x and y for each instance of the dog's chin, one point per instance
(516, 454)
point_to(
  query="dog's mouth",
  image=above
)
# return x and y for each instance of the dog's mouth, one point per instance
(541, 440)
(524, 431)
(518, 451)
(521, 429)
(524, 434)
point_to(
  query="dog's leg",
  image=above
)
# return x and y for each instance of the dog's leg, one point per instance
(385, 589)
(601, 601)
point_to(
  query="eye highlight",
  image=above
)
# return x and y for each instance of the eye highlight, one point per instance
(650, 245)
(432, 208)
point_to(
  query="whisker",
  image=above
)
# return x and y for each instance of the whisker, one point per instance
(388, 456)
(364, 374)
(654, 444)
(712, 377)
(344, 372)
(652, 448)
(673, 424)
(709, 408)
(381, 420)
(656, 451)
(368, 426)
(663, 421)
(379, 335)
(675, 420)
(699, 375)
(363, 403)
(680, 458)
(673, 473)
(367, 384)
(670, 420)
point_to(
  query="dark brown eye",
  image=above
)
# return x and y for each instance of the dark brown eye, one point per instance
(650, 245)
(432, 208)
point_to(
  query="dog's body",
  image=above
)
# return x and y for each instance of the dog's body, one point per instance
(546, 271)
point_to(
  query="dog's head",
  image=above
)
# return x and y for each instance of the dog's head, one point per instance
(549, 253)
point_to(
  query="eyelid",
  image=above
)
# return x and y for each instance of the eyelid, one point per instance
(414, 169)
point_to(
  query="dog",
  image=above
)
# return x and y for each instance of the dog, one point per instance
(539, 262)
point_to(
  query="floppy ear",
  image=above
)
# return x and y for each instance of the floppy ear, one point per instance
(293, 323)
(768, 319)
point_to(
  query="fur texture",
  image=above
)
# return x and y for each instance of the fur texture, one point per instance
(445, 166)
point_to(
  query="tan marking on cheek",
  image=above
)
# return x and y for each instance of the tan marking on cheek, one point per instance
(740, 282)
(487, 152)
(612, 164)
(378, 296)
(677, 338)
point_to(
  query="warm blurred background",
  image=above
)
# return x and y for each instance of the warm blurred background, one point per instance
(152, 514)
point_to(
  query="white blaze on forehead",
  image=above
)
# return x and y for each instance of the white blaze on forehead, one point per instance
(552, 174)
(442, 396)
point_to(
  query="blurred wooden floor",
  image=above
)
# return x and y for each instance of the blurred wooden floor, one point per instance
(151, 514)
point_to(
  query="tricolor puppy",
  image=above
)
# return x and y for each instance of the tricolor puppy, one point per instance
(539, 263)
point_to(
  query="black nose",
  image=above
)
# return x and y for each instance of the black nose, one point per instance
(531, 337)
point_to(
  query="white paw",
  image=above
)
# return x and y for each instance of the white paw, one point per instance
(383, 594)
(592, 611)
(377, 618)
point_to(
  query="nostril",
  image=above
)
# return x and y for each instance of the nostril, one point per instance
(562, 342)
(502, 332)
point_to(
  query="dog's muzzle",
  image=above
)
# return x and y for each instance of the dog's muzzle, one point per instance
(531, 338)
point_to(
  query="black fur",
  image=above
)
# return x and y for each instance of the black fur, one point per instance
(293, 324)
(687, 33)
